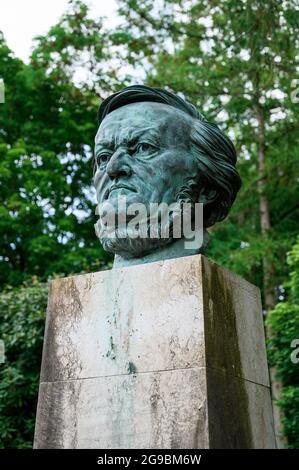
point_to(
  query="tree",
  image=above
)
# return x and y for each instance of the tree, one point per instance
(236, 62)
(284, 350)
(47, 128)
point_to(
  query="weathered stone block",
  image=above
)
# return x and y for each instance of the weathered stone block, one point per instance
(163, 355)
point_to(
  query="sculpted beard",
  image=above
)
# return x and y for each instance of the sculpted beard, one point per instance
(123, 240)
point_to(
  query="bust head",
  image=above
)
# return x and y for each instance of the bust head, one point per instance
(153, 147)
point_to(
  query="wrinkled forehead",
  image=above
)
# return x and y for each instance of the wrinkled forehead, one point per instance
(161, 119)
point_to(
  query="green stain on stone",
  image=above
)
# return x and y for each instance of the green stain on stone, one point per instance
(111, 353)
(132, 369)
(230, 428)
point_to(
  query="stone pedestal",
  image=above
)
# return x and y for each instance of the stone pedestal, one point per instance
(164, 355)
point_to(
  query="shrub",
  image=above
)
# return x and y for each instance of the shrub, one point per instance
(22, 318)
(283, 322)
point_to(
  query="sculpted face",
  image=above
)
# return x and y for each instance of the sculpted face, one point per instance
(142, 151)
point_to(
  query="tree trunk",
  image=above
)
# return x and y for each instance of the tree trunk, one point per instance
(268, 272)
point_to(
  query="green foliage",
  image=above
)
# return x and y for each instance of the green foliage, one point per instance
(22, 318)
(293, 260)
(236, 61)
(47, 128)
(283, 323)
(290, 407)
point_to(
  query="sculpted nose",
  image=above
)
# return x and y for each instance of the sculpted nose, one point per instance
(118, 165)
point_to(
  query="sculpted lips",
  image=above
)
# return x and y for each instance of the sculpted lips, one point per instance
(121, 186)
(118, 186)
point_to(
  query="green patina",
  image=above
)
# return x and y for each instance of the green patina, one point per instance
(111, 353)
(132, 369)
(231, 427)
(153, 147)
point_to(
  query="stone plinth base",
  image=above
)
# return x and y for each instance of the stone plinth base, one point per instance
(164, 355)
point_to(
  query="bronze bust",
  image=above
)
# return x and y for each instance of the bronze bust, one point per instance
(153, 148)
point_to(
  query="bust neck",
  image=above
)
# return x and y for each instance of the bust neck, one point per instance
(177, 249)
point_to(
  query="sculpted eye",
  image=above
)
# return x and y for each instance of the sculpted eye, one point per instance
(145, 147)
(102, 159)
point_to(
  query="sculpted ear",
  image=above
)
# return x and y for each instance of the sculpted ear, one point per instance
(209, 198)
(216, 206)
